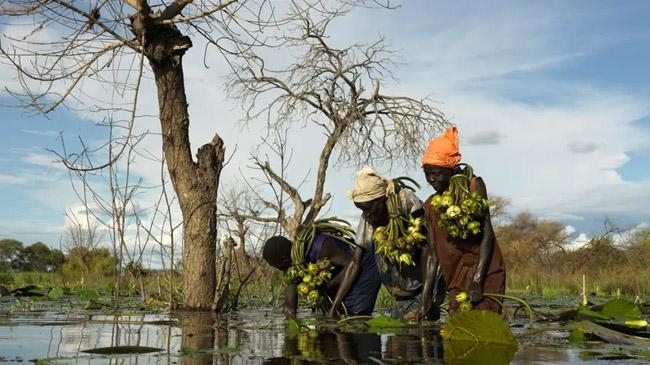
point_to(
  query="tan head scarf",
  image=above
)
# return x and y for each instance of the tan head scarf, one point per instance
(368, 185)
(443, 150)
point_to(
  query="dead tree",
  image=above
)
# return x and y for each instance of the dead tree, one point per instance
(339, 91)
(75, 43)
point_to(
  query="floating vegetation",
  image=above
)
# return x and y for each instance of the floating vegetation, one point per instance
(122, 350)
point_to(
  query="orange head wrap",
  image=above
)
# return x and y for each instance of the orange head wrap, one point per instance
(443, 150)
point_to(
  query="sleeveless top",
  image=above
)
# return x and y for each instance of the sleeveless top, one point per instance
(458, 257)
(360, 299)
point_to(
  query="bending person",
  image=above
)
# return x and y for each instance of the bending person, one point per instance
(405, 261)
(461, 231)
(344, 276)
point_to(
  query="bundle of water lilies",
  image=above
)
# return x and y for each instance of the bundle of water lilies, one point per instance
(460, 210)
(311, 277)
(398, 240)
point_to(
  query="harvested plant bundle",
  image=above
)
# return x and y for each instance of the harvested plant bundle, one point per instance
(459, 210)
(311, 277)
(398, 240)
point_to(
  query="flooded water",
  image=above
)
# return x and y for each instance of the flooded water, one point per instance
(259, 336)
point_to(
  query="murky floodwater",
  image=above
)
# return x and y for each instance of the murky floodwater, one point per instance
(258, 336)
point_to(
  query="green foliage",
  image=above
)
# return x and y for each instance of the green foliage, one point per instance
(10, 249)
(383, 321)
(477, 337)
(539, 261)
(620, 308)
(56, 293)
(479, 326)
(384, 299)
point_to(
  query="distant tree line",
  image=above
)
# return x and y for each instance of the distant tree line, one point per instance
(39, 257)
(541, 254)
(14, 256)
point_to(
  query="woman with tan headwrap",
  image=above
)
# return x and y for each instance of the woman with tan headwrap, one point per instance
(406, 282)
(469, 255)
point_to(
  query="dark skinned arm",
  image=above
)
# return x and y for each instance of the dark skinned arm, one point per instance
(429, 264)
(485, 253)
(349, 273)
(290, 301)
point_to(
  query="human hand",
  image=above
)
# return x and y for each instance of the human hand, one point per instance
(475, 292)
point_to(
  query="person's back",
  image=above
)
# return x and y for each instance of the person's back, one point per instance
(405, 278)
(360, 299)
(353, 282)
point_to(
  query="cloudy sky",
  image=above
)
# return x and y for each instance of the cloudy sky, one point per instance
(551, 100)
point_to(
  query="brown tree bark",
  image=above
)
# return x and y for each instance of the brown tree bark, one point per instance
(195, 183)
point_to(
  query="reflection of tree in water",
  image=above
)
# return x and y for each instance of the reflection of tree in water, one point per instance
(208, 338)
(198, 337)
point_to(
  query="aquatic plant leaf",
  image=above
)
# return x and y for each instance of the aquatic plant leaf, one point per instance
(577, 336)
(116, 350)
(292, 328)
(464, 353)
(87, 294)
(584, 312)
(383, 321)
(479, 326)
(620, 308)
(56, 293)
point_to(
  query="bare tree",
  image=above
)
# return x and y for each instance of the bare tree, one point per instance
(81, 238)
(498, 207)
(338, 90)
(238, 211)
(73, 42)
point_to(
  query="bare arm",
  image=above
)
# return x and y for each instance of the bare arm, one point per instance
(290, 301)
(429, 262)
(485, 252)
(350, 273)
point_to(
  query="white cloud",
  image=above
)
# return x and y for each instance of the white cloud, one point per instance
(12, 179)
(43, 133)
(551, 144)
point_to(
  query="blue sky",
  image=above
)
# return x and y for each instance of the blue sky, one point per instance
(551, 100)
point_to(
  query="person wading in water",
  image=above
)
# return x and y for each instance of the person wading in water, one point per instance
(406, 264)
(343, 274)
(461, 231)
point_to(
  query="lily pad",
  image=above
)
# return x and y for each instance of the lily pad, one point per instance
(383, 321)
(620, 308)
(465, 353)
(478, 326)
(119, 350)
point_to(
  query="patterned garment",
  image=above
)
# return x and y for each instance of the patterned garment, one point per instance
(360, 300)
(404, 283)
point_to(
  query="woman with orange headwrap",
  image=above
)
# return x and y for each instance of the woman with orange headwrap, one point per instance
(460, 227)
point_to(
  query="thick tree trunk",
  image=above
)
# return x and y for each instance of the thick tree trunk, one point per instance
(195, 183)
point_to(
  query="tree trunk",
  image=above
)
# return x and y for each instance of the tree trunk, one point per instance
(223, 279)
(195, 183)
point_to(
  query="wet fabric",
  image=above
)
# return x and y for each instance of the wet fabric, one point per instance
(443, 151)
(405, 282)
(458, 259)
(361, 297)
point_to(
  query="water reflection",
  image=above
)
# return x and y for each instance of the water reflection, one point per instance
(249, 337)
(339, 347)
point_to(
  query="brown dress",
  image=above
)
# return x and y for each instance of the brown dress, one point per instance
(458, 259)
